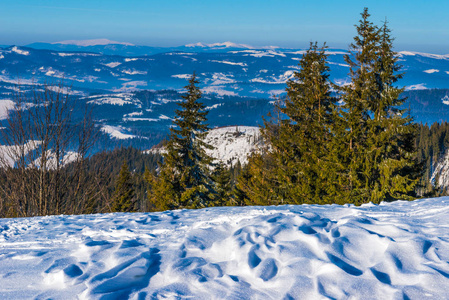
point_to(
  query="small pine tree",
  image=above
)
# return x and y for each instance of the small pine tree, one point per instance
(184, 179)
(240, 192)
(258, 183)
(124, 191)
(223, 185)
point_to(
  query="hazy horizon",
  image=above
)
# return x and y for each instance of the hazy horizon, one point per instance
(416, 26)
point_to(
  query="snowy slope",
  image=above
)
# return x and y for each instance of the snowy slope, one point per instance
(394, 250)
(230, 144)
(440, 175)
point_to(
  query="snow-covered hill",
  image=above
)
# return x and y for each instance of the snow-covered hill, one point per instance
(396, 250)
(230, 144)
(234, 143)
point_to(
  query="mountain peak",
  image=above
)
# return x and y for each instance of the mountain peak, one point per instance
(93, 42)
(228, 44)
(219, 45)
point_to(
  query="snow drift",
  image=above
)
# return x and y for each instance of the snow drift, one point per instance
(394, 250)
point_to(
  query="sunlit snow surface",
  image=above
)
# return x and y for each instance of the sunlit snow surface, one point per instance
(394, 250)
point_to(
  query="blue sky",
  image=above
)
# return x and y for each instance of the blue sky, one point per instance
(417, 25)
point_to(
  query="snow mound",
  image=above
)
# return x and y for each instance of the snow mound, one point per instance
(391, 251)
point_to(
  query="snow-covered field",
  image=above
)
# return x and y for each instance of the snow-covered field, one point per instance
(394, 250)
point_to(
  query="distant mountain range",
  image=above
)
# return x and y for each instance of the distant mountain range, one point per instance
(222, 68)
(133, 90)
(94, 42)
(107, 47)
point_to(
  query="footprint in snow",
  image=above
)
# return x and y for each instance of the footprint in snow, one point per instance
(268, 269)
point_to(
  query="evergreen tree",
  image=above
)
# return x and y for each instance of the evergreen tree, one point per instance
(223, 185)
(184, 179)
(376, 136)
(258, 183)
(304, 136)
(242, 190)
(235, 172)
(359, 98)
(124, 191)
(293, 169)
(393, 133)
(362, 151)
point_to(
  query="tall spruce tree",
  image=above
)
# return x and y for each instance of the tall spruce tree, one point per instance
(392, 150)
(304, 136)
(359, 98)
(184, 179)
(294, 167)
(375, 136)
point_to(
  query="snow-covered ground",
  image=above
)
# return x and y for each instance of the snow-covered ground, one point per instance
(394, 250)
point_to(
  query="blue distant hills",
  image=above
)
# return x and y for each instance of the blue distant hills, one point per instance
(222, 68)
(133, 89)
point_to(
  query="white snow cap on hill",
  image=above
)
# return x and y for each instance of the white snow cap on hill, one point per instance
(396, 250)
(429, 55)
(117, 132)
(231, 144)
(227, 45)
(219, 45)
(94, 42)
